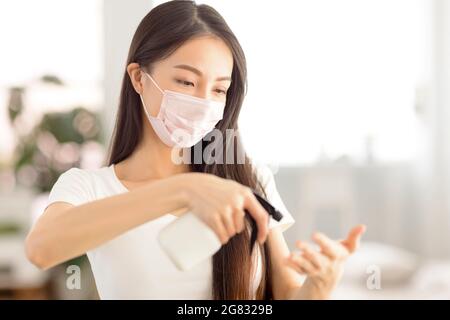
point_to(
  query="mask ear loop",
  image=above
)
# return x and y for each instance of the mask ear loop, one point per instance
(145, 108)
(153, 82)
(142, 99)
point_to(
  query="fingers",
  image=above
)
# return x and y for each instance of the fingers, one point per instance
(239, 224)
(312, 255)
(332, 249)
(228, 222)
(220, 229)
(326, 263)
(233, 221)
(308, 261)
(354, 237)
(259, 214)
(301, 264)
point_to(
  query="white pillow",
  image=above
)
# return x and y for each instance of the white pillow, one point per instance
(395, 265)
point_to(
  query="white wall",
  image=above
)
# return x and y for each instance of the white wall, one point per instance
(424, 228)
(121, 19)
(437, 219)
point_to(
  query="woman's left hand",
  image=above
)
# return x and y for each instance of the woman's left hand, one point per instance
(323, 268)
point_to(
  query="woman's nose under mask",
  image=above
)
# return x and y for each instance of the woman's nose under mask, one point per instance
(183, 120)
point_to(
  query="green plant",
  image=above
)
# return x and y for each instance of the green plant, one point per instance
(51, 147)
(54, 143)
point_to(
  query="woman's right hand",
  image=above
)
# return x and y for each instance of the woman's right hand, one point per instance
(220, 203)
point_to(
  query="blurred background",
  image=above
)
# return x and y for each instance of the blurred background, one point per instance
(352, 99)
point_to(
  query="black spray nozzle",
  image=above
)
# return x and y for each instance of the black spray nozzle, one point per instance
(270, 210)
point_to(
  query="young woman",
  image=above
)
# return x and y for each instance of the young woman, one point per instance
(185, 72)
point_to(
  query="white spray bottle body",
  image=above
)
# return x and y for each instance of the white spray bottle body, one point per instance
(188, 241)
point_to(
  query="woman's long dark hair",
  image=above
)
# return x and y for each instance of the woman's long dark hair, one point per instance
(164, 29)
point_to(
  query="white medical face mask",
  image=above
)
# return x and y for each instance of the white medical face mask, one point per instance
(183, 120)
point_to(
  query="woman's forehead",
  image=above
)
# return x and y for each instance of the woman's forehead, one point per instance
(210, 55)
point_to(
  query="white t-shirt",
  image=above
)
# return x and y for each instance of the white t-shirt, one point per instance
(132, 265)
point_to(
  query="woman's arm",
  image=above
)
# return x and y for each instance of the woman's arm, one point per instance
(65, 231)
(284, 279)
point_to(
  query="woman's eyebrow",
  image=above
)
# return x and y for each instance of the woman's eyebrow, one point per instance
(198, 72)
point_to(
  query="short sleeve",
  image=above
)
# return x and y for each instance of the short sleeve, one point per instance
(73, 186)
(267, 180)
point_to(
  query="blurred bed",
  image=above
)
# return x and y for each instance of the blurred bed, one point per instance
(379, 271)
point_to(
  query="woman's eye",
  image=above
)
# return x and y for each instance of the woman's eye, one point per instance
(184, 82)
(221, 91)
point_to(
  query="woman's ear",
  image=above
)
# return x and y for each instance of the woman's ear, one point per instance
(134, 72)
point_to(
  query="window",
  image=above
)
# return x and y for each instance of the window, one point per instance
(60, 38)
(330, 77)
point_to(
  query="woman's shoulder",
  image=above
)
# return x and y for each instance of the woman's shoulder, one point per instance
(264, 173)
(86, 175)
(77, 185)
(83, 177)
(266, 176)
(75, 173)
